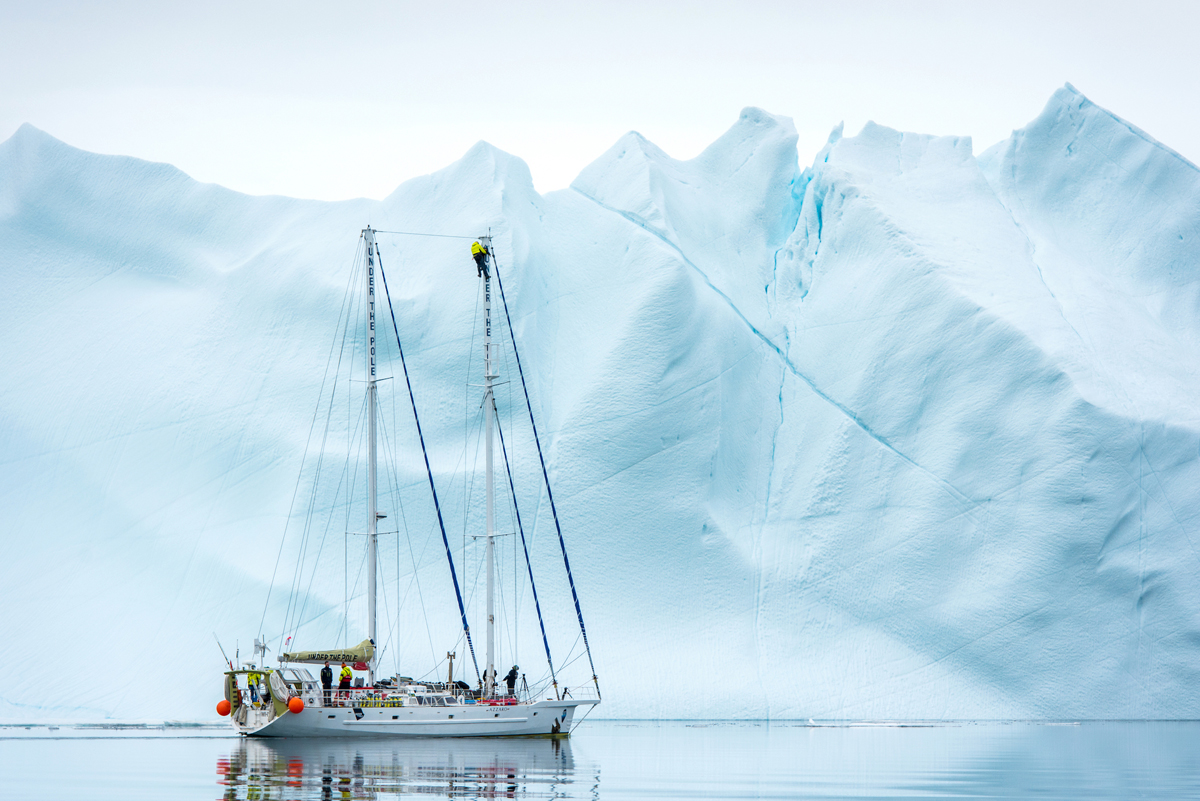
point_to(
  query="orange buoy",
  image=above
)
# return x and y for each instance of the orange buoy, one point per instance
(296, 705)
(223, 707)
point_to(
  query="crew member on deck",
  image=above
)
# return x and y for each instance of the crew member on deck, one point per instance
(480, 252)
(252, 681)
(327, 682)
(511, 680)
(344, 681)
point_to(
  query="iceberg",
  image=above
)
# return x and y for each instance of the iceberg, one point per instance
(904, 433)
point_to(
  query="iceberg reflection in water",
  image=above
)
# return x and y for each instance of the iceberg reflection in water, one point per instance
(391, 768)
(617, 760)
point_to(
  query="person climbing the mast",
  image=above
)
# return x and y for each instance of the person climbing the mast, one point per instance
(480, 252)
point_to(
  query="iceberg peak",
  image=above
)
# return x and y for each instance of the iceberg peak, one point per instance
(481, 189)
(923, 426)
(27, 132)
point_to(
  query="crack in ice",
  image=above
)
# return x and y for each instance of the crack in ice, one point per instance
(791, 367)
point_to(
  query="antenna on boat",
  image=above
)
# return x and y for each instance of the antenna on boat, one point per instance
(223, 654)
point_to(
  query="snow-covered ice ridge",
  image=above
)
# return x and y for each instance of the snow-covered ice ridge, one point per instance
(903, 434)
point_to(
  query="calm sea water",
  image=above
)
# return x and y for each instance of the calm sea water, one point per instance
(608, 759)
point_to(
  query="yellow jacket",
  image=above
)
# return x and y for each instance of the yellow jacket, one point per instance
(346, 674)
(477, 248)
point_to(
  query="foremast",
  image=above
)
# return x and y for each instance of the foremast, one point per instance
(372, 462)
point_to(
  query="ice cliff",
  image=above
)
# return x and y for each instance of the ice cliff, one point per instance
(904, 433)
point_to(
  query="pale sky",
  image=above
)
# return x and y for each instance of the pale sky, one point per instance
(346, 99)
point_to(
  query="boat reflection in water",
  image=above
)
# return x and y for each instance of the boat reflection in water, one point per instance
(297, 770)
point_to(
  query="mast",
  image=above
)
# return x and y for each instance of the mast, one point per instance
(489, 412)
(372, 511)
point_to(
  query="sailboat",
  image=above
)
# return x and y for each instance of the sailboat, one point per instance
(287, 701)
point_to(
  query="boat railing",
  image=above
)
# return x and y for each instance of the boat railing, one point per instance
(368, 697)
(582, 692)
(363, 697)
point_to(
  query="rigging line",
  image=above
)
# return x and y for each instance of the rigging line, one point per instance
(517, 594)
(392, 479)
(320, 550)
(387, 612)
(312, 504)
(307, 444)
(416, 561)
(358, 574)
(467, 418)
(383, 435)
(591, 709)
(468, 493)
(545, 476)
(308, 520)
(421, 233)
(390, 454)
(572, 661)
(345, 583)
(429, 470)
(353, 431)
(359, 433)
(358, 430)
(469, 487)
(521, 529)
(400, 600)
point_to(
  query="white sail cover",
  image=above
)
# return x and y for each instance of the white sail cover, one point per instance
(363, 652)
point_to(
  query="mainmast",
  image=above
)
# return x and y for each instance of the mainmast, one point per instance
(372, 510)
(489, 406)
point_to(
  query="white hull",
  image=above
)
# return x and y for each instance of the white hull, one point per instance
(543, 718)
